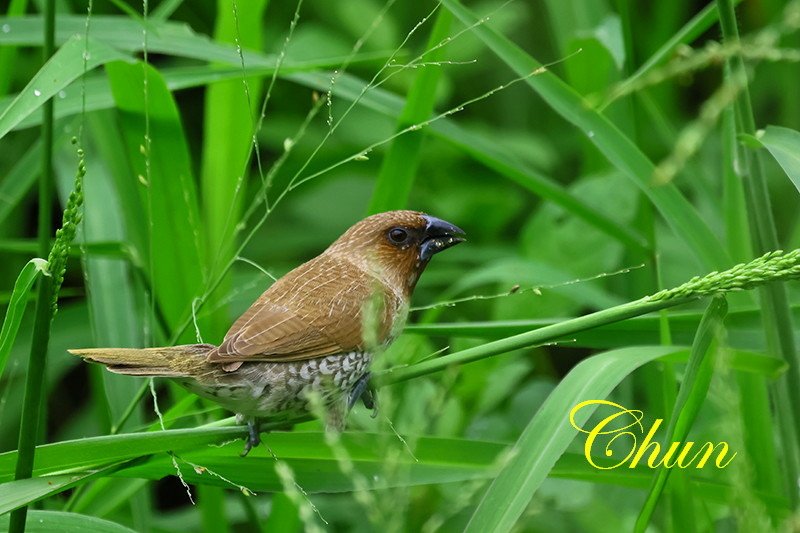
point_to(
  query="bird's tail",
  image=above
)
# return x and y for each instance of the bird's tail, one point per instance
(167, 361)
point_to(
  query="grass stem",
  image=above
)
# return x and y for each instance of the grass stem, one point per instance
(32, 403)
(771, 267)
(777, 319)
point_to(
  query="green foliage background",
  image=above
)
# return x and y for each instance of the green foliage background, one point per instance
(595, 152)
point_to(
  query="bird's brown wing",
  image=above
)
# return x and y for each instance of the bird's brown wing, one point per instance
(276, 334)
(313, 311)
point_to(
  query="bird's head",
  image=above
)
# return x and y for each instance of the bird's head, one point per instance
(397, 244)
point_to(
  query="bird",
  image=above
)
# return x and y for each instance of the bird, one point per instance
(312, 335)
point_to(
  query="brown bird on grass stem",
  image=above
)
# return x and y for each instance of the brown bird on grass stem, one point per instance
(312, 333)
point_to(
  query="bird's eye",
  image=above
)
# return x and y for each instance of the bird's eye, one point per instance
(398, 235)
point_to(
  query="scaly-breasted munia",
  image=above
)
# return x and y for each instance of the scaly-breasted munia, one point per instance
(313, 331)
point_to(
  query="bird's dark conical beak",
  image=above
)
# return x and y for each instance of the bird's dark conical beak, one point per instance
(439, 235)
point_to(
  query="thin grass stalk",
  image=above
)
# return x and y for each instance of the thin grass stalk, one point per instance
(658, 378)
(228, 146)
(755, 412)
(46, 307)
(737, 233)
(687, 404)
(32, 402)
(774, 266)
(681, 496)
(46, 179)
(396, 177)
(529, 339)
(679, 500)
(777, 319)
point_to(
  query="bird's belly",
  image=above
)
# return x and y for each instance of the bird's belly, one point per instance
(282, 390)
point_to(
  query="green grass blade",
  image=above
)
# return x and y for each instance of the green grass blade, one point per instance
(92, 452)
(112, 249)
(169, 198)
(737, 231)
(19, 493)
(108, 140)
(226, 143)
(15, 494)
(228, 119)
(98, 94)
(115, 318)
(399, 166)
(690, 398)
(165, 9)
(756, 416)
(106, 494)
(524, 340)
(549, 433)
(784, 145)
(638, 330)
(211, 501)
(618, 149)
(19, 180)
(683, 323)
(47, 298)
(435, 460)
(745, 330)
(8, 54)
(59, 522)
(125, 35)
(575, 466)
(16, 306)
(283, 514)
(777, 318)
(321, 475)
(317, 466)
(65, 66)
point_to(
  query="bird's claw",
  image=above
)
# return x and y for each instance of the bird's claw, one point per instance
(363, 389)
(370, 400)
(253, 437)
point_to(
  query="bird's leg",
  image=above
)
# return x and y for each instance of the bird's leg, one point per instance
(253, 436)
(253, 433)
(363, 389)
(357, 390)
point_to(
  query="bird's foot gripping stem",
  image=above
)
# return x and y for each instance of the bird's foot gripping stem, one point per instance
(363, 389)
(253, 435)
